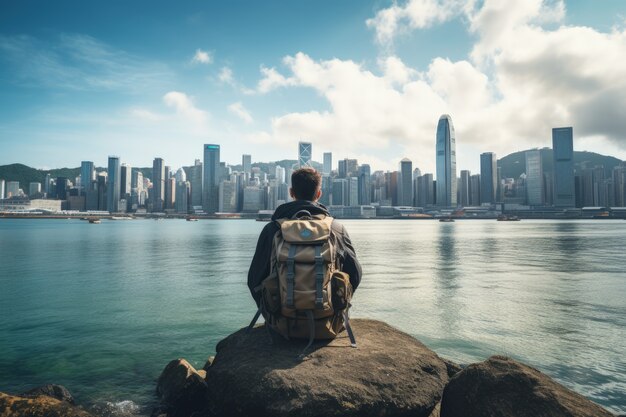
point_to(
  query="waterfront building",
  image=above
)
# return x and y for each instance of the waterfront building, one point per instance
(102, 190)
(87, 175)
(13, 189)
(34, 188)
(534, 179)
(1, 189)
(114, 171)
(425, 190)
(194, 176)
(347, 168)
(246, 163)
(405, 183)
(211, 184)
(474, 194)
(327, 190)
(391, 183)
(353, 192)
(446, 162)
(280, 174)
(563, 155)
(157, 193)
(328, 163)
(62, 184)
(137, 188)
(340, 192)
(488, 178)
(183, 191)
(619, 184)
(305, 152)
(464, 188)
(26, 204)
(170, 196)
(365, 188)
(254, 199)
(228, 196)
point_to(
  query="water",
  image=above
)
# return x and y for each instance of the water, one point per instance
(102, 308)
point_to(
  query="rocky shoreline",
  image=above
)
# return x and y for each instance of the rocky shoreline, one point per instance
(389, 374)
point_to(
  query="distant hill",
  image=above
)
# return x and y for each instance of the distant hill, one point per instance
(513, 165)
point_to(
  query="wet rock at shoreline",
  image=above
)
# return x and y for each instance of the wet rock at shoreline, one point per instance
(38, 406)
(181, 389)
(51, 390)
(389, 374)
(503, 387)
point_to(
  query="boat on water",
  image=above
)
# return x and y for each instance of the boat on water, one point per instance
(192, 219)
(446, 219)
(94, 221)
(505, 218)
(121, 218)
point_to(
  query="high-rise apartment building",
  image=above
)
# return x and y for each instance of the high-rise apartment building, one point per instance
(246, 163)
(211, 183)
(158, 185)
(87, 174)
(305, 152)
(563, 157)
(328, 163)
(534, 179)
(114, 171)
(488, 178)
(405, 183)
(446, 162)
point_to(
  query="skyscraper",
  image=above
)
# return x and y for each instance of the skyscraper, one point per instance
(328, 163)
(87, 174)
(365, 194)
(563, 155)
(488, 177)
(158, 185)
(195, 179)
(464, 188)
(405, 183)
(211, 184)
(1, 189)
(305, 151)
(114, 184)
(446, 163)
(534, 178)
(246, 163)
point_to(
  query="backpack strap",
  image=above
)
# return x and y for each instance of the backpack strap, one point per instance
(346, 322)
(319, 278)
(291, 267)
(302, 213)
(311, 321)
(254, 320)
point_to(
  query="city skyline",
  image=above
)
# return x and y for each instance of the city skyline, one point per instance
(369, 86)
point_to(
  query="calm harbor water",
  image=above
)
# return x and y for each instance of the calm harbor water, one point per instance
(102, 308)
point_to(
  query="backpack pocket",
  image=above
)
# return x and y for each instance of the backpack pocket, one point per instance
(341, 290)
(270, 295)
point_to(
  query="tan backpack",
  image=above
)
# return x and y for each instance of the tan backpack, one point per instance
(305, 295)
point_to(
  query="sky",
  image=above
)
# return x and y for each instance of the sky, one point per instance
(362, 79)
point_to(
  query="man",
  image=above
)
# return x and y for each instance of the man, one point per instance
(306, 191)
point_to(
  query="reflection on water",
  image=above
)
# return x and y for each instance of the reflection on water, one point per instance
(103, 308)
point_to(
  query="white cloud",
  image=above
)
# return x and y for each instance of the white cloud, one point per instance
(521, 80)
(184, 106)
(202, 57)
(240, 111)
(226, 76)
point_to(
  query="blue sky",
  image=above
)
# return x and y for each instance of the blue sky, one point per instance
(84, 80)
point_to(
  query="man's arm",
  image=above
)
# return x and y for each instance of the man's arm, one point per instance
(350, 263)
(260, 266)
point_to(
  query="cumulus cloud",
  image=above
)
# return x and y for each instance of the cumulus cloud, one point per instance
(520, 80)
(184, 106)
(240, 111)
(202, 57)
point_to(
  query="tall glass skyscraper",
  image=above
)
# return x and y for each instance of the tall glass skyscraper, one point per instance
(158, 185)
(211, 183)
(365, 194)
(405, 183)
(563, 155)
(87, 174)
(305, 151)
(488, 177)
(534, 178)
(328, 163)
(246, 163)
(446, 163)
(114, 183)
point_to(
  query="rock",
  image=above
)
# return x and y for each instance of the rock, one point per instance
(452, 368)
(182, 389)
(51, 390)
(390, 374)
(208, 363)
(503, 387)
(40, 406)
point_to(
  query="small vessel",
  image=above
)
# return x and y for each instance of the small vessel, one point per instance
(121, 218)
(192, 219)
(505, 218)
(94, 221)
(446, 219)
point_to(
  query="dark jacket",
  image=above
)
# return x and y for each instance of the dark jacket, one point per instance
(260, 266)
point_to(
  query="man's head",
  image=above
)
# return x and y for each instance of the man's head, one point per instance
(306, 184)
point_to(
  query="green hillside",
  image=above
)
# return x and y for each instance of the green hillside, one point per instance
(513, 165)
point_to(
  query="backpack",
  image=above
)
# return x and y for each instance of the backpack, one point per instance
(305, 295)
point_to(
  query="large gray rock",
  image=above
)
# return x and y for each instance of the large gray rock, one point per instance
(51, 390)
(389, 374)
(503, 387)
(39, 406)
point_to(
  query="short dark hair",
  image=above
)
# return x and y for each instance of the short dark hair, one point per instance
(305, 182)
